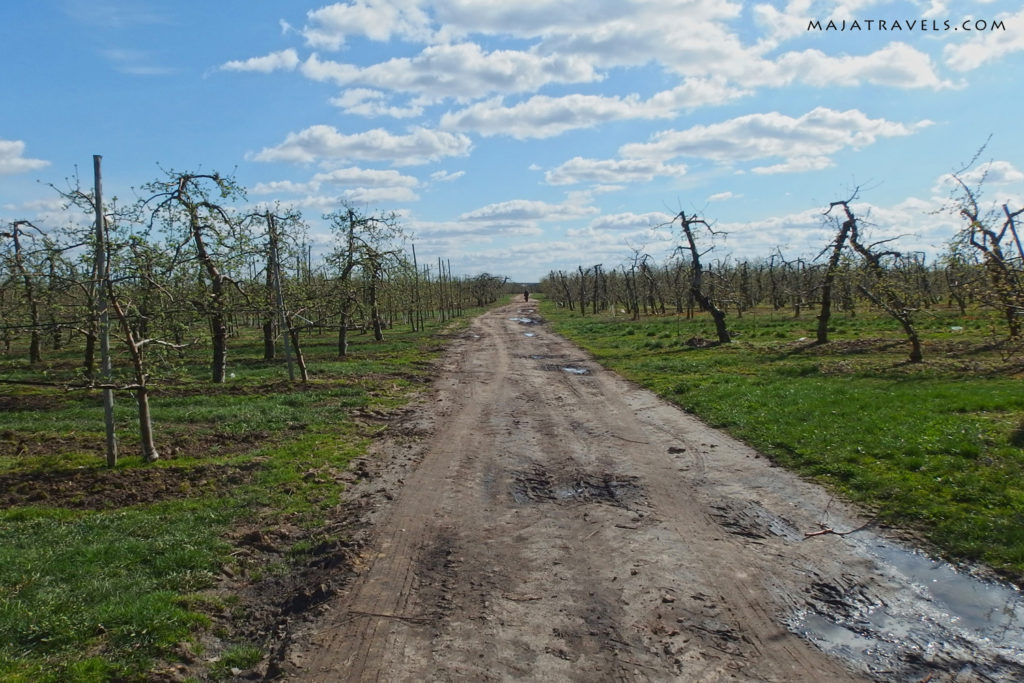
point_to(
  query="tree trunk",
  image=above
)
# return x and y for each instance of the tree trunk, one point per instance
(149, 453)
(826, 286)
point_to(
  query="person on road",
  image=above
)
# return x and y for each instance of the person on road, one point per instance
(526, 295)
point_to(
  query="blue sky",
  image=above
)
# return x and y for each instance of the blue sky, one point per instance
(520, 137)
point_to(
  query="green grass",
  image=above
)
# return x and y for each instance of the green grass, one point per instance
(104, 583)
(936, 447)
(103, 594)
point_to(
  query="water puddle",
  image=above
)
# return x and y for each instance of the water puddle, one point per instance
(970, 602)
(529, 334)
(573, 370)
(938, 618)
(525, 321)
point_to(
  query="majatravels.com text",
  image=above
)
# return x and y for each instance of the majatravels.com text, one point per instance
(906, 25)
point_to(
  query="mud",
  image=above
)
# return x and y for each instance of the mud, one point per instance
(103, 489)
(528, 524)
(170, 445)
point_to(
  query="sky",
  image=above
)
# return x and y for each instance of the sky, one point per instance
(516, 138)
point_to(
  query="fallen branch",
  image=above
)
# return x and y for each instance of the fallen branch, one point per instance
(828, 530)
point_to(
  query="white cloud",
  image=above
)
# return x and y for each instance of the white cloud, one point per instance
(984, 47)
(461, 71)
(367, 102)
(542, 116)
(445, 176)
(897, 65)
(518, 210)
(362, 185)
(796, 165)
(378, 20)
(783, 25)
(40, 206)
(315, 69)
(12, 159)
(622, 33)
(580, 170)
(723, 196)
(985, 175)
(802, 143)
(480, 233)
(372, 195)
(365, 178)
(322, 142)
(281, 187)
(285, 60)
(630, 221)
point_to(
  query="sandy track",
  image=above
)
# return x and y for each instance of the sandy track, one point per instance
(559, 526)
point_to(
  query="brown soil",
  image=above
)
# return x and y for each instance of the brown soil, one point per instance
(539, 518)
(191, 446)
(102, 489)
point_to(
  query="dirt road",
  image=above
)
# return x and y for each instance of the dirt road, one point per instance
(554, 522)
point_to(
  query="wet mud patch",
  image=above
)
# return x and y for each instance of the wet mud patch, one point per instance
(537, 485)
(435, 578)
(748, 519)
(568, 368)
(905, 639)
(102, 489)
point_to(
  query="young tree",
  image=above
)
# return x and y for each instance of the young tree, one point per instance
(20, 262)
(363, 244)
(196, 207)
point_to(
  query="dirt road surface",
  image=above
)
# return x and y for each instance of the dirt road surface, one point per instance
(547, 520)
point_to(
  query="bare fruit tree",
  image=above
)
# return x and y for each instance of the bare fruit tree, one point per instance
(996, 238)
(885, 282)
(689, 225)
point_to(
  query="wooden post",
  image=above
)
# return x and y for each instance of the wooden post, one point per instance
(104, 320)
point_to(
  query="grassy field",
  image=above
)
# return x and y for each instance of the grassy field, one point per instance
(104, 573)
(936, 447)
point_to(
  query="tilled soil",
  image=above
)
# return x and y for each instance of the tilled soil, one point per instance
(540, 518)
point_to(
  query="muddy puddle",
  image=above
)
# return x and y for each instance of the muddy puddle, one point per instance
(941, 618)
(538, 485)
(568, 369)
(525, 321)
